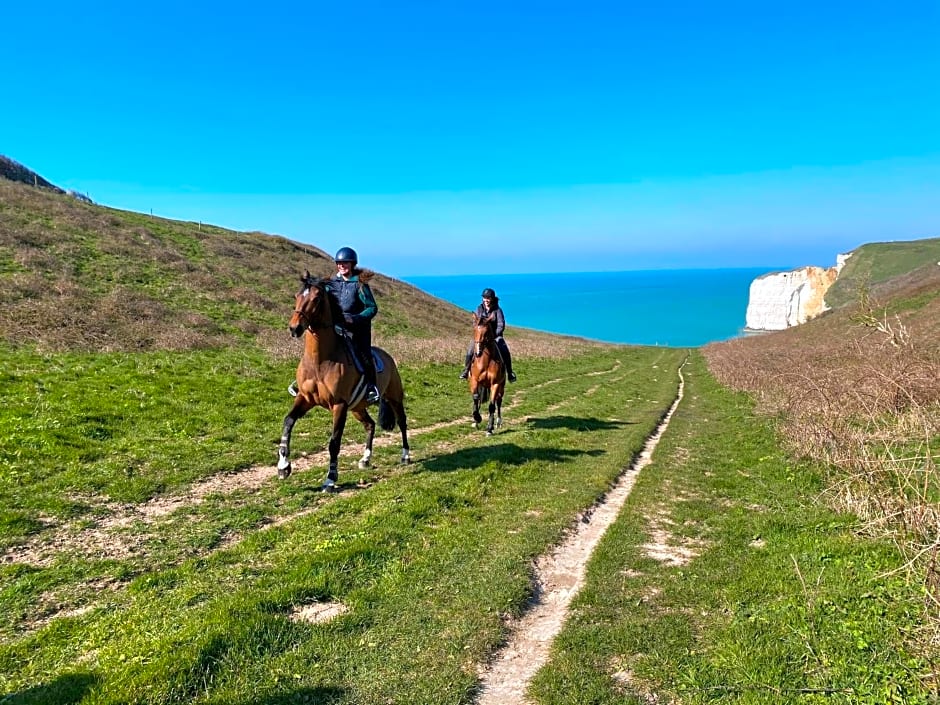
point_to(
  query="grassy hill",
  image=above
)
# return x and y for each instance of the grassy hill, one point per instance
(78, 276)
(884, 268)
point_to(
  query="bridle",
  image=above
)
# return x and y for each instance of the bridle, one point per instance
(486, 342)
(304, 317)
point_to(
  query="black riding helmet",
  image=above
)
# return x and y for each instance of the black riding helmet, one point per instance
(488, 293)
(347, 254)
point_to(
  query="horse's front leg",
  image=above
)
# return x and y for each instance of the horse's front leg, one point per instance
(477, 418)
(336, 437)
(492, 422)
(283, 450)
(369, 425)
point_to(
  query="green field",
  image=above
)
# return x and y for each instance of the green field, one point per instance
(123, 604)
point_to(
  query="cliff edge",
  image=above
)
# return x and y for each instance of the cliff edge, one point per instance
(781, 300)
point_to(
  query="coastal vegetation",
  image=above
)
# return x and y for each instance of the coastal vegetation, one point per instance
(780, 547)
(884, 269)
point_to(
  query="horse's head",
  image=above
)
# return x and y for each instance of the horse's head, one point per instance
(483, 334)
(312, 306)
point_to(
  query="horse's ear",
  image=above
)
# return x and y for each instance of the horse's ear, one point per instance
(306, 279)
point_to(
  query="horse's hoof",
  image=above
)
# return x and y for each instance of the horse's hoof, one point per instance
(284, 472)
(489, 433)
(329, 486)
(363, 464)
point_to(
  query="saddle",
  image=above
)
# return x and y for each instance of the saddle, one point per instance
(354, 354)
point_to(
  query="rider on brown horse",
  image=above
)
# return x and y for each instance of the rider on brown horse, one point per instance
(349, 286)
(489, 307)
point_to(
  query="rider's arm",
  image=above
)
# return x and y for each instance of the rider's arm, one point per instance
(500, 322)
(369, 306)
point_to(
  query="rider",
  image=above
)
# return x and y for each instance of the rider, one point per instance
(351, 289)
(490, 305)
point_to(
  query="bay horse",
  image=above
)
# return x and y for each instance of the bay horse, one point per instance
(487, 374)
(327, 376)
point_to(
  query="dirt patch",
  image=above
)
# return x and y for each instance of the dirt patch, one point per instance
(318, 612)
(663, 549)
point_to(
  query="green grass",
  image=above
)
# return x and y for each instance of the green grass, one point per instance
(782, 602)
(878, 262)
(429, 558)
(125, 427)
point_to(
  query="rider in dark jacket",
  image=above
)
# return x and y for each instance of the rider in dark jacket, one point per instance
(490, 305)
(350, 287)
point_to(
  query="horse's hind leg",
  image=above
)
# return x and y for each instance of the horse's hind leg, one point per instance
(369, 425)
(403, 427)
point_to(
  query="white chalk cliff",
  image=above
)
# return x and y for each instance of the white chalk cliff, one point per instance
(784, 299)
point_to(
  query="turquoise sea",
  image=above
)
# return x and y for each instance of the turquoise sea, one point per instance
(675, 308)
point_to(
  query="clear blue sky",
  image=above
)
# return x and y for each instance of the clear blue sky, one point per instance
(471, 137)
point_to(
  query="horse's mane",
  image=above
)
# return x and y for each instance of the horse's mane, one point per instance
(323, 286)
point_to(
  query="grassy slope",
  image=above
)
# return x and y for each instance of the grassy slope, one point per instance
(118, 280)
(874, 265)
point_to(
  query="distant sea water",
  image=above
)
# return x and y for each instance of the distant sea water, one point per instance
(674, 308)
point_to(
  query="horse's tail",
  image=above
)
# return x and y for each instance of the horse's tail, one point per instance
(386, 415)
(484, 395)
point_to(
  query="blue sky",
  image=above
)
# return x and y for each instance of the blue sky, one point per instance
(459, 137)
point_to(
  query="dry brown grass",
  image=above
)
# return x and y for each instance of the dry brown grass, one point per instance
(79, 276)
(859, 391)
(76, 276)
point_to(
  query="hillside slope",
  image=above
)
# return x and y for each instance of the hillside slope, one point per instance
(878, 265)
(78, 276)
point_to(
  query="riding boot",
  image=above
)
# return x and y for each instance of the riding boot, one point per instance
(466, 365)
(368, 371)
(507, 361)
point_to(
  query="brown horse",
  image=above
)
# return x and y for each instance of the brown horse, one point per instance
(327, 377)
(487, 374)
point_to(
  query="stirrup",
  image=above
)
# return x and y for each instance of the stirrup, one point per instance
(512, 376)
(292, 388)
(373, 394)
(464, 374)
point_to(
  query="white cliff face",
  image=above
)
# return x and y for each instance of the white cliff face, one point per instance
(783, 299)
